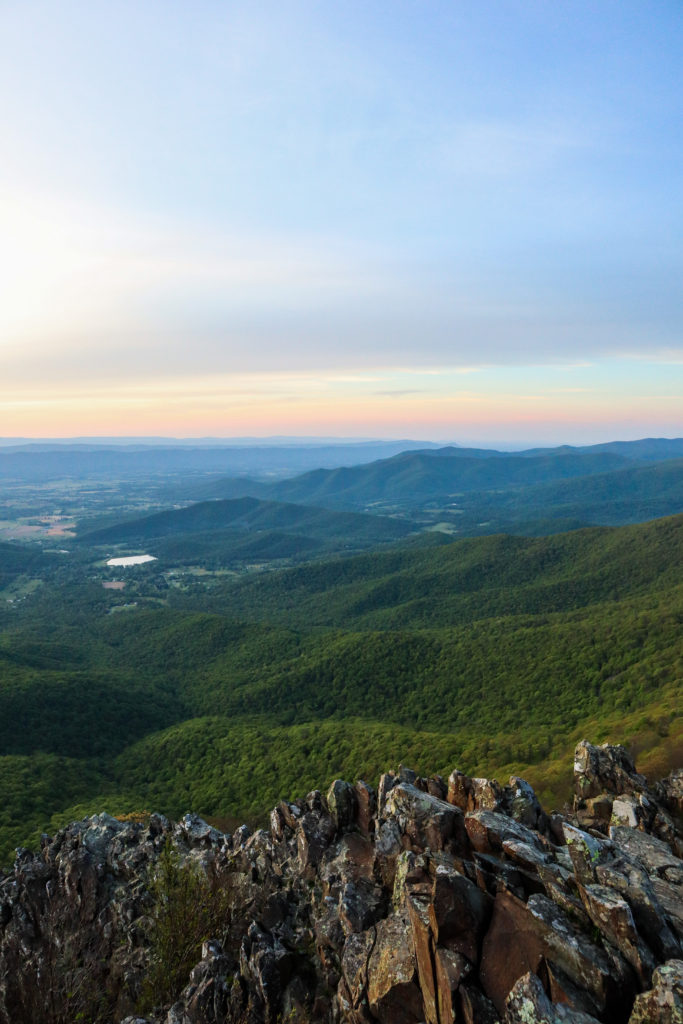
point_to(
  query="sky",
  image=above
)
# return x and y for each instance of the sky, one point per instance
(443, 219)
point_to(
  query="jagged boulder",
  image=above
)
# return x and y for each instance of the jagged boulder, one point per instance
(605, 769)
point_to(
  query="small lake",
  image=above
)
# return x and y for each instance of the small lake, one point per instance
(132, 560)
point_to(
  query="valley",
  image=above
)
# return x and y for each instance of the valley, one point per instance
(270, 645)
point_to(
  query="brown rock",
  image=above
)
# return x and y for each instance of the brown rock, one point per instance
(512, 948)
(393, 993)
(597, 812)
(459, 789)
(450, 969)
(564, 992)
(418, 910)
(366, 807)
(475, 1007)
(438, 787)
(459, 913)
(522, 937)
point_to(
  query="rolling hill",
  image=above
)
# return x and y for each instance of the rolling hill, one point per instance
(247, 529)
(492, 654)
(416, 479)
(466, 580)
(477, 491)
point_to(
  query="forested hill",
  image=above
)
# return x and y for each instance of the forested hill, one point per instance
(634, 494)
(468, 579)
(494, 655)
(647, 449)
(246, 515)
(18, 559)
(413, 478)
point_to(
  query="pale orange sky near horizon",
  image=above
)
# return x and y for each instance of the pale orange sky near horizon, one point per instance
(486, 404)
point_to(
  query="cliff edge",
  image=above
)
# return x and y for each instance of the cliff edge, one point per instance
(446, 901)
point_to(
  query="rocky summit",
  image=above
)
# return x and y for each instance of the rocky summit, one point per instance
(428, 900)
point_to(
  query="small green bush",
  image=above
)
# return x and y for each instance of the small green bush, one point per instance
(187, 909)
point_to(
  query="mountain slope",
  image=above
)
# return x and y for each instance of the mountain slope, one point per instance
(630, 495)
(471, 492)
(415, 478)
(468, 579)
(250, 515)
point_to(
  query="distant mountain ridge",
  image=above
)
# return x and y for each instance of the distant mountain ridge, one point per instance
(34, 462)
(615, 483)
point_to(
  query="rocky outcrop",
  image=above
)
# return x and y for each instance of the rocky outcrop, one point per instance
(448, 901)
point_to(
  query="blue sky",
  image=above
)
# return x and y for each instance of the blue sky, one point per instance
(318, 217)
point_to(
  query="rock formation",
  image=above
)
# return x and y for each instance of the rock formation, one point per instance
(448, 901)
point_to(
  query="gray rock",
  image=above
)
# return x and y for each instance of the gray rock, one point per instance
(528, 1004)
(488, 830)
(424, 820)
(612, 915)
(522, 803)
(605, 769)
(586, 852)
(670, 791)
(393, 993)
(654, 854)
(663, 1004)
(338, 916)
